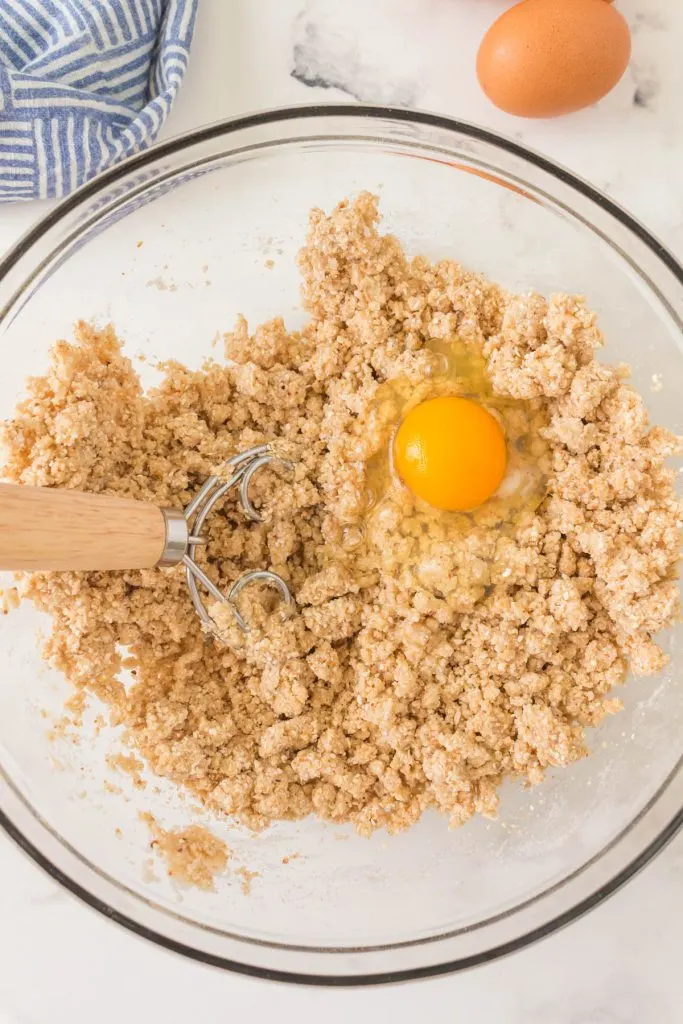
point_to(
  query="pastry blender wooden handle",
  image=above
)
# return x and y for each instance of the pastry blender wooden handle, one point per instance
(45, 528)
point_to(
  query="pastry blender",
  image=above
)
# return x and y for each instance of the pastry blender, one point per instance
(44, 528)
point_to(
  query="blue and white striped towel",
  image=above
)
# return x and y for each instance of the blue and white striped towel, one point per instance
(83, 84)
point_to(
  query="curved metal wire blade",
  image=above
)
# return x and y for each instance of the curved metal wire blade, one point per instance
(245, 465)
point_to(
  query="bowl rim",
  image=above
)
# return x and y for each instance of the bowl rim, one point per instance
(175, 145)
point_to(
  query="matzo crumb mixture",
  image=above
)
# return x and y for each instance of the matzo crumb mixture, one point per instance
(389, 691)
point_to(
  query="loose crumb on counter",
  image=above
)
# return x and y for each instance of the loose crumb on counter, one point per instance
(421, 668)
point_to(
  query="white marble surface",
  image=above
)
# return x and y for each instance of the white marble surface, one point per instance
(59, 961)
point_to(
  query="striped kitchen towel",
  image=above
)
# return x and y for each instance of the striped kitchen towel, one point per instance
(83, 84)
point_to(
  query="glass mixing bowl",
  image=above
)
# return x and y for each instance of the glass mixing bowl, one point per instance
(170, 247)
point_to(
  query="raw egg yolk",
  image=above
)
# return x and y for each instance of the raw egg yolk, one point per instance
(450, 452)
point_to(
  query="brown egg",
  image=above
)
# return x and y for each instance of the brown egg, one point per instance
(548, 57)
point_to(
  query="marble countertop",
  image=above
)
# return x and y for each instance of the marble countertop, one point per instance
(59, 961)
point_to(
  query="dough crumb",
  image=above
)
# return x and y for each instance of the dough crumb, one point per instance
(247, 879)
(130, 765)
(9, 600)
(193, 855)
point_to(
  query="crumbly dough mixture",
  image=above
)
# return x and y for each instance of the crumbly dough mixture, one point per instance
(478, 656)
